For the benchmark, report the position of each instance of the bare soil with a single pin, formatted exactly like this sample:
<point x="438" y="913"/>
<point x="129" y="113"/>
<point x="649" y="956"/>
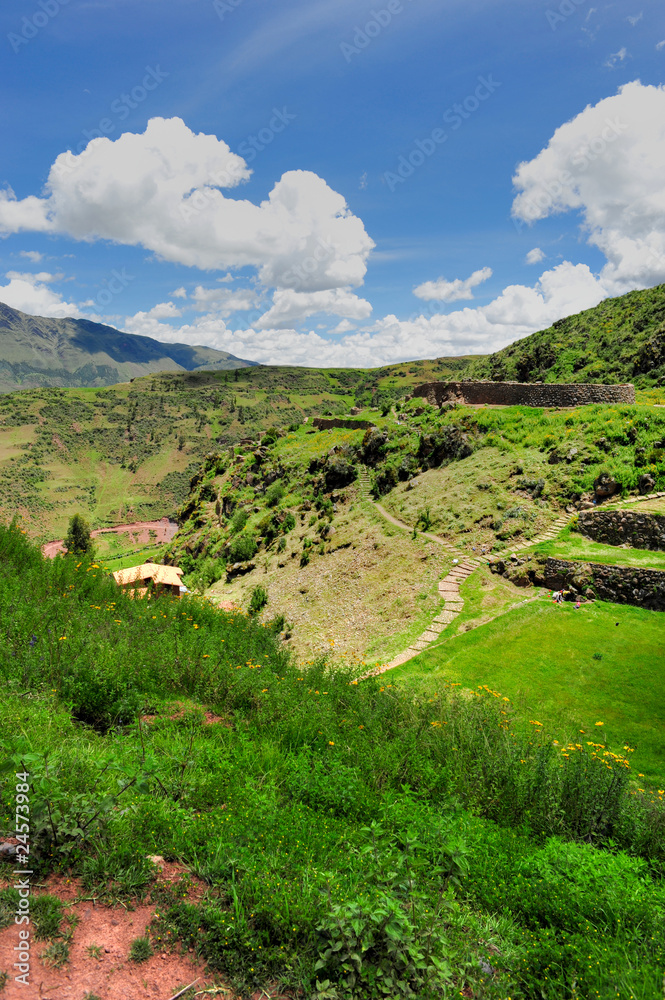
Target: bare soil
<point x="109" y="931"/>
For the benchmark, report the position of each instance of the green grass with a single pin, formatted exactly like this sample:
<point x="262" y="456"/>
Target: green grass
<point x="541" y="656"/>
<point x="571" y="545"/>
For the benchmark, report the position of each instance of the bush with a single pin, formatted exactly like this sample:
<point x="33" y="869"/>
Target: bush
<point x="238" y="521"/>
<point x="243" y="547"/>
<point x="274" y="494"/>
<point x="289" y="522"/>
<point x="258" y="600"/>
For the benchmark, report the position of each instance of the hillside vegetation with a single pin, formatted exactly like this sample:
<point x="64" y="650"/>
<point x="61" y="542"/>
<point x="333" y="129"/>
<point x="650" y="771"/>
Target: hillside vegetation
<point x="620" y="340"/>
<point x="351" y="840"/>
<point x="128" y="452"/>
<point x="40" y="351"/>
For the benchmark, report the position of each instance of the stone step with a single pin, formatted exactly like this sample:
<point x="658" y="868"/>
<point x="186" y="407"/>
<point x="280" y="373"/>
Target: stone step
<point x="445" y="617"/>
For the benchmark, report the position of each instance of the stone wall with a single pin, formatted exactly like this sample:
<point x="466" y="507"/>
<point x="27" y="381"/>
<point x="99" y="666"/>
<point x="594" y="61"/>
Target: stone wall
<point x="325" y="423"/>
<point x="645" y="588"/>
<point x="524" y="393"/>
<point x="615" y="527"/>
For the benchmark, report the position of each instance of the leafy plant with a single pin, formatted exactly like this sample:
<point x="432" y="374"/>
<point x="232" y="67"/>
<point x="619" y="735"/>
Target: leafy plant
<point x="258" y="600"/>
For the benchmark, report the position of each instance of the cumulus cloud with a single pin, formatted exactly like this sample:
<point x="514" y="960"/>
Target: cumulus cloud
<point x="224" y="301"/>
<point x="534" y="256"/>
<point x="517" y="312"/>
<point x="180" y="293"/>
<point x="290" y="306"/>
<point x="164" y="190"/>
<point x="30" y="293"/>
<point x="607" y="164"/>
<point x="452" y="291"/>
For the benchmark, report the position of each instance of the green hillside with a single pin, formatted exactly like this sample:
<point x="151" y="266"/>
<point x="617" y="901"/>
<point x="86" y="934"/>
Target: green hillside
<point x="336" y="839"/>
<point x="38" y="351"/>
<point x="129" y="451"/>
<point x="620" y="340"/>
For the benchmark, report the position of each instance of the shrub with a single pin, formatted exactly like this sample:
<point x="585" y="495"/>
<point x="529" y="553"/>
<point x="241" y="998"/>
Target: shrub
<point x="289" y="522"/>
<point x="274" y="494"/>
<point x="242" y="547"/>
<point x="238" y="521"/>
<point x="258" y="600"/>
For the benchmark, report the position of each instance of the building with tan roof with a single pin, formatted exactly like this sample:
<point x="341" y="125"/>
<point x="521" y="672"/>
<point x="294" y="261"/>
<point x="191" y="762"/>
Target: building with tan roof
<point x="150" y="576"/>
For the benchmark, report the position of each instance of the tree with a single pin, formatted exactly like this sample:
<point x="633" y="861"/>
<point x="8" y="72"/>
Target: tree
<point x="78" y="540"/>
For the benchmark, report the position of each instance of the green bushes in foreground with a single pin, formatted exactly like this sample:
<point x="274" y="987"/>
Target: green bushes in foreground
<point x="355" y="841"/>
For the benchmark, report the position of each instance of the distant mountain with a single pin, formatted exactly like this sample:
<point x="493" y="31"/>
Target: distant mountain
<point x="36" y="351"/>
<point x="620" y="340"/>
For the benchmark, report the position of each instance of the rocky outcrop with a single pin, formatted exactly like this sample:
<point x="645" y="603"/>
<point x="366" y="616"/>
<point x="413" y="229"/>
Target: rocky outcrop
<point x="645" y="588"/>
<point x="618" y="527"/>
<point x="524" y="393"/>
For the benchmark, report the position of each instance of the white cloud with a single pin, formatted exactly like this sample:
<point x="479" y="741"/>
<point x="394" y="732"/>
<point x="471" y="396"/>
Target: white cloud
<point x="517" y="312"/>
<point x="660" y="45"/>
<point x="164" y="310"/>
<point x="180" y="293"/>
<point x="33" y="255"/>
<point x="635" y="18"/>
<point x="224" y="301"/>
<point x="343" y="327"/>
<point x="162" y="190"/>
<point x="289" y="306"/>
<point x="615" y="58"/>
<point x="607" y="164"/>
<point x="534" y="256"/>
<point x="452" y="291"/>
<point x="30" y="293"/>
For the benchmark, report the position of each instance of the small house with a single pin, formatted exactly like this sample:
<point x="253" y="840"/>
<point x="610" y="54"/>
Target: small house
<point x="150" y="577"/>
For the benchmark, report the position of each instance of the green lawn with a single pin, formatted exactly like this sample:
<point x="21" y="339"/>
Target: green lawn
<point x="541" y="656"/>
<point x="571" y="545"/>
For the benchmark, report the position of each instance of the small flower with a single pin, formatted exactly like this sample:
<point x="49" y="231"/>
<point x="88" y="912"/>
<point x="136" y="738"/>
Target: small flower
<point x="600" y="723"/>
<point x="330" y="743"/>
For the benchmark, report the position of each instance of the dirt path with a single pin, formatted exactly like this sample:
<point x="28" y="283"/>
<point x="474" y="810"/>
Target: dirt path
<point x="138" y="532"/>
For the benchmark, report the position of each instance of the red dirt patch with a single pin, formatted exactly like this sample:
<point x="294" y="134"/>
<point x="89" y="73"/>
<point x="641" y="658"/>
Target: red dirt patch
<point x="111" y="976"/>
<point x="178" y="711"/>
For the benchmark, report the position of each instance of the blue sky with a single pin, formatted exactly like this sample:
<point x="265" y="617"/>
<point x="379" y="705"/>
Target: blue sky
<point x="359" y="197"/>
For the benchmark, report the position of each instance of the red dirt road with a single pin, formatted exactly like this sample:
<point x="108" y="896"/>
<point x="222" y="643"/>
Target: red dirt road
<point x="138" y="532"/>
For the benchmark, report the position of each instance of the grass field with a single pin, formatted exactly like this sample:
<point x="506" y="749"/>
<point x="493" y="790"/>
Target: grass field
<point x="567" y="669"/>
<point x="571" y="545"/>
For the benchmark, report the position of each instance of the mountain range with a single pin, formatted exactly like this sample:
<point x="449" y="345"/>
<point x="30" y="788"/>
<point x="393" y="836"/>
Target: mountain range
<point x="36" y="351"/>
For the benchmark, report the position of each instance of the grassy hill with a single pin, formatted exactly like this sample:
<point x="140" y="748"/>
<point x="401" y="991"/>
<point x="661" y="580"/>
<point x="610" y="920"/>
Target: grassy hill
<point x="37" y="351"/>
<point x="620" y="340"/>
<point x="335" y="839"/>
<point x="128" y="452"/>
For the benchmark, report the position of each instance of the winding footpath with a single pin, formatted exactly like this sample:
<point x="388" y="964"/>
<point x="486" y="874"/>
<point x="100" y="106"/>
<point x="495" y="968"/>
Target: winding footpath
<point x="449" y="586"/>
